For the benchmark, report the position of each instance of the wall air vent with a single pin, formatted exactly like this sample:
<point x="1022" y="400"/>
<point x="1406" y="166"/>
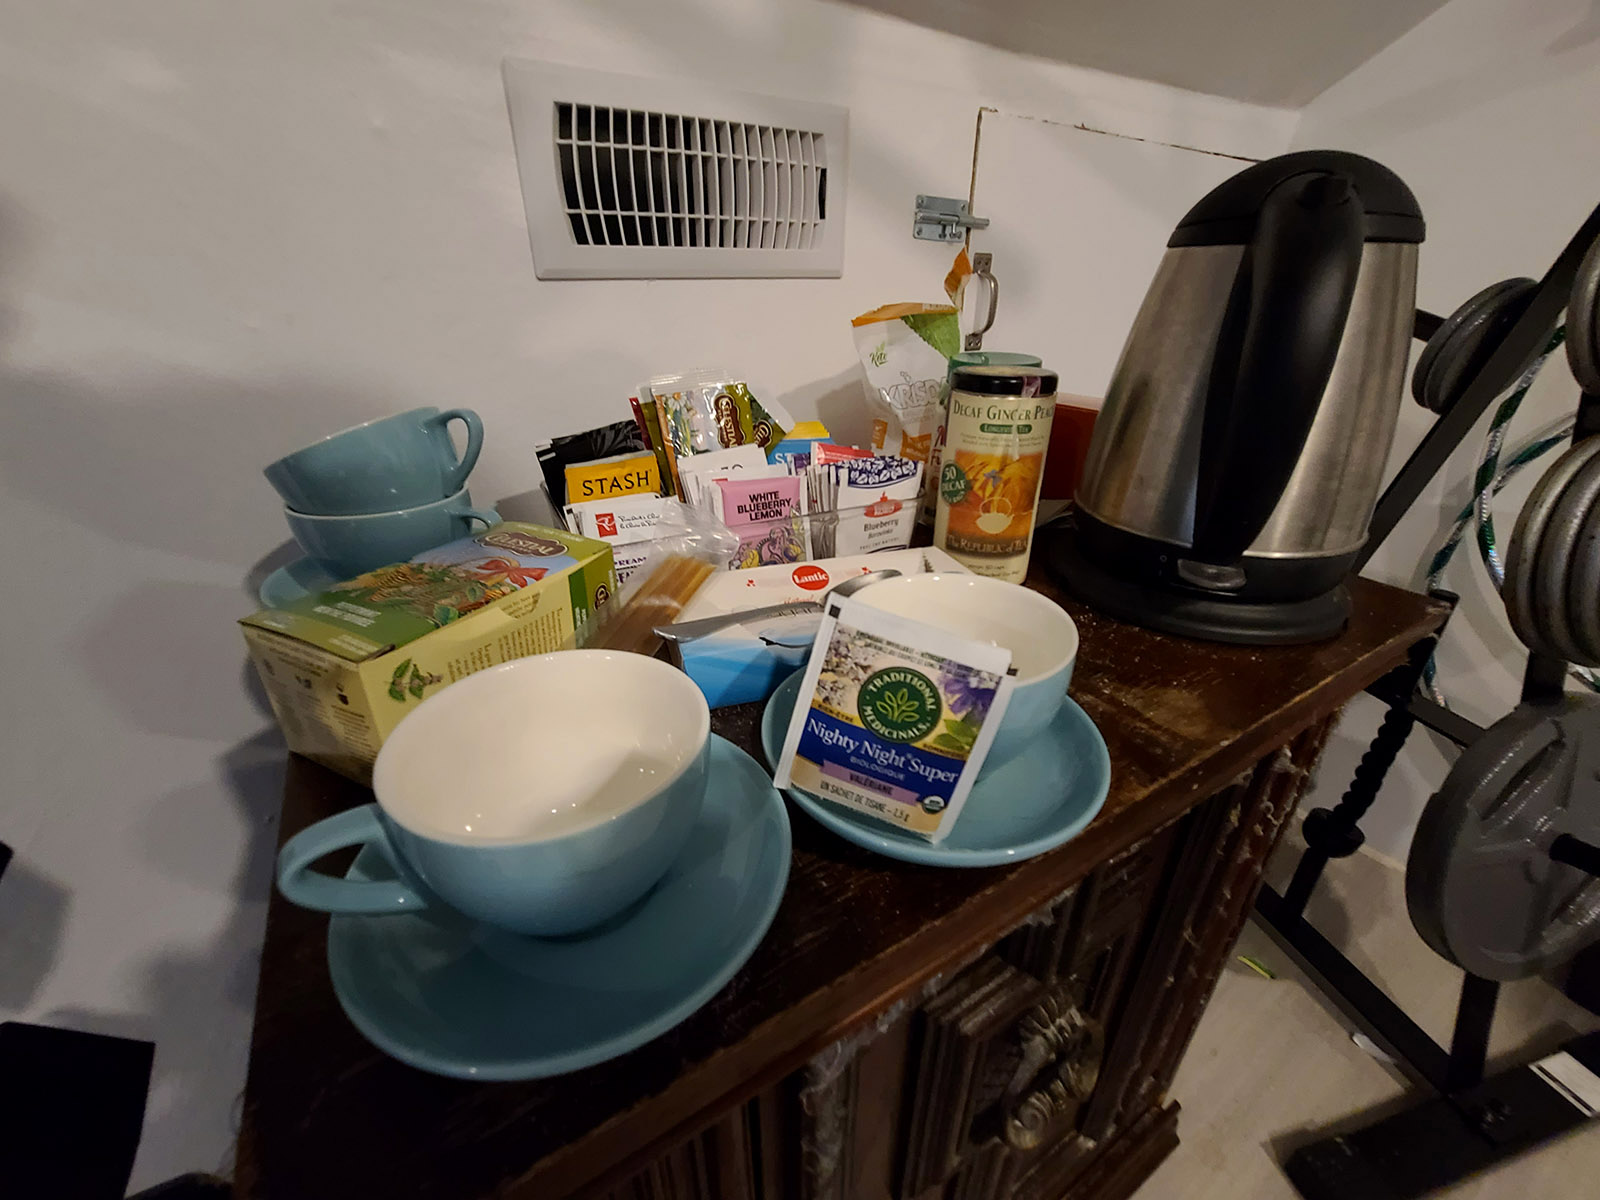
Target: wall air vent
<point x="628" y="178"/>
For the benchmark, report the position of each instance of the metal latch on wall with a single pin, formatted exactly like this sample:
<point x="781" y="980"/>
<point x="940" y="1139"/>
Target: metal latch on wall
<point x="944" y="219"/>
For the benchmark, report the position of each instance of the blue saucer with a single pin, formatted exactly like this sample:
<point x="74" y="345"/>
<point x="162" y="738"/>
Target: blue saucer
<point x="1017" y="810"/>
<point x="301" y="578"/>
<point x="449" y="996"/>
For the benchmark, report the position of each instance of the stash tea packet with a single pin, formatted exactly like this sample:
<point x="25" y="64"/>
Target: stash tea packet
<point x="894" y="717"/>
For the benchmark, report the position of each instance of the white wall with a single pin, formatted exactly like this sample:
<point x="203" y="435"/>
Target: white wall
<point x="228" y="229"/>
<point x="1487" y="109"/>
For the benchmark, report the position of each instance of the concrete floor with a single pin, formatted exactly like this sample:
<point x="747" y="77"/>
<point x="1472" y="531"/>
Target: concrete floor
<point x="1272" y="1060"/>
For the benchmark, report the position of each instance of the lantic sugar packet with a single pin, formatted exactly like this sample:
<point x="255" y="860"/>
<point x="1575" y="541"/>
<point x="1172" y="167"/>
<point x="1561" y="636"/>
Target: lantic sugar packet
<point x="894" y="717"/>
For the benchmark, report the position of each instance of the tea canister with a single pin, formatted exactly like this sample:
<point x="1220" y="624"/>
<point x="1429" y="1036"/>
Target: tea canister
<point x="993" y="462"/>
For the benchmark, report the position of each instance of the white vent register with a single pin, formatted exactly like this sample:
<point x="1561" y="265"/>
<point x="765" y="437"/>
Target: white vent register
<point x="628" y="178"/>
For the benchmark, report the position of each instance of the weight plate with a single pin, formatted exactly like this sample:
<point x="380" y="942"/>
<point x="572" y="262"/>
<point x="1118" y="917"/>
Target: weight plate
<point x="1481" y="887"/>
<point x="1452" y="355"/>
<point x="1522" y="556"/>
<point x="1583" y="322"/>
<point x="1553" y="562"/>
<point x="1583" y="586"/>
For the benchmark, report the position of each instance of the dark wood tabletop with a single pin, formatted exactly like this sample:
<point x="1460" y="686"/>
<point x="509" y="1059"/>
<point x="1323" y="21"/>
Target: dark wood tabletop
<point x="328" y="1115"/>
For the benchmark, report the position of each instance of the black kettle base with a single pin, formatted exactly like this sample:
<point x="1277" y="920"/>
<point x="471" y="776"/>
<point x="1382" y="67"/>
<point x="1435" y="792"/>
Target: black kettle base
<point x="1186" y="613"/>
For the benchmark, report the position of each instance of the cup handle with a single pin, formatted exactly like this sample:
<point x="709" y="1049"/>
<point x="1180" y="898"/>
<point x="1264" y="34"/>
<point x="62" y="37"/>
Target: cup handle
<point x="325" y="893"/>
<point x="457" y="475"/>
<point x="487" y="515"/>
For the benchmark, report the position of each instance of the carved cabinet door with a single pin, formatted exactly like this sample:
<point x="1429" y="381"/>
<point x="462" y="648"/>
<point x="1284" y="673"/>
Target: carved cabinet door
<point x="1005" y="1059"/>
<point x="1043" y="1068"/>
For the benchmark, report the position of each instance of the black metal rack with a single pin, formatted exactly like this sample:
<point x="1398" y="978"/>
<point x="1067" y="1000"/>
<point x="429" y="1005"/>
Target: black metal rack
<point x="1336" y="832"/>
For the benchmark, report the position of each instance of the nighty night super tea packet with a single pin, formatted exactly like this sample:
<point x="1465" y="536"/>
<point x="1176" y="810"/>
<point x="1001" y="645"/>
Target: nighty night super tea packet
<point x="894" y="717"/>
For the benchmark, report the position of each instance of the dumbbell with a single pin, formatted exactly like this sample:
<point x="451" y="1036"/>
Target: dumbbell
<point x="1552" y="590"/>
<point x="1457" y="350"/>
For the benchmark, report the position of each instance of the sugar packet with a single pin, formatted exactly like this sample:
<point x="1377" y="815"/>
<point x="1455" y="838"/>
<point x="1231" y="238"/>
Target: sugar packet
<point x="866" y="504"/>
<point x="894" y="717"/>
<point x="863" y="480"/>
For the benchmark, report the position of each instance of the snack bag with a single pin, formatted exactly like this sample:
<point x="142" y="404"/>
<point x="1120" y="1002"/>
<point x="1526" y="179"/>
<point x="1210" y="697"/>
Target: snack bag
<point x="905" y="354"/>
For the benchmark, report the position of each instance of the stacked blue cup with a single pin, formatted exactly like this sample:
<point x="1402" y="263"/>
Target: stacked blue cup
<point x="381" y="492"/>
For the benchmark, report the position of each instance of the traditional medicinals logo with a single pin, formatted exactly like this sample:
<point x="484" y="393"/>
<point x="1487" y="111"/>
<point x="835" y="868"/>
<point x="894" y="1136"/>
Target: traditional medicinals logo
<point x="899" y="704"/>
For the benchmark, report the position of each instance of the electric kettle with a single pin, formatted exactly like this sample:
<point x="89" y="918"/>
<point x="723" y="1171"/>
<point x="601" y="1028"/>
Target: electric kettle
<point x="1236" y="462"/>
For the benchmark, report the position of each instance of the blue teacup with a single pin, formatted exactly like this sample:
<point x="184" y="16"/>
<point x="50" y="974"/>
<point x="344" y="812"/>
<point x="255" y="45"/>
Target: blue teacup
<point x="394" y="462"/>
<point x="543" y="796"/>
<point x="1042" y="638"/>
<point x="347" y="546"/>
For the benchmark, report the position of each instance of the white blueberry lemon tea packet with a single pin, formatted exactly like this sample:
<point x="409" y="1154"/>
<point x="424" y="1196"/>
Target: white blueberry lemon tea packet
<point x="894" y="717"/>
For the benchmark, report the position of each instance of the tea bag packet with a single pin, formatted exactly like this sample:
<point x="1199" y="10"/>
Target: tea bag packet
<point x="768" y="516"/>
<point x="628" y="523"/>
<point x="705" y="411"/>
<point x="606" y="441"/>
<point x="698" y="475"/>
<point x="894" y="717"/>
<point x="821" y="482"/>
<point x="795" y="450"/>
<point x="649" y="425"/>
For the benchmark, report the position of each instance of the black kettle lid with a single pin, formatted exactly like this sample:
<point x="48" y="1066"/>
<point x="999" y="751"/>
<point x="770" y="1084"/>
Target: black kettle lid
<point x="1226" y="216"/>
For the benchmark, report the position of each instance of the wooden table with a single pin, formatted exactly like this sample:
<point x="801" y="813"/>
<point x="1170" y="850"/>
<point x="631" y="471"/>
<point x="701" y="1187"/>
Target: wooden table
<point x="901" y="1031"/>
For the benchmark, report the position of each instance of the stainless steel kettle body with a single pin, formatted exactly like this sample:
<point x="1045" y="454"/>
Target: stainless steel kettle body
<point x="1143" y="462"/>
<point x="1244" y="435"/>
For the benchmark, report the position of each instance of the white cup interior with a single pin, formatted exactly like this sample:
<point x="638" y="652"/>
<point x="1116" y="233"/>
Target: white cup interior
<point x="540" y="747"/>
<point x="1042" y="638"/>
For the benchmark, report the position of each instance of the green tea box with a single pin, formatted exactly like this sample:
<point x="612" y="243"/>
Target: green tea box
<point x="342" y="667"/>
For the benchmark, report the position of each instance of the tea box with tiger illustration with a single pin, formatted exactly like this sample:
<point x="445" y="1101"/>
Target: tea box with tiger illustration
<point x="342" y="667"/>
